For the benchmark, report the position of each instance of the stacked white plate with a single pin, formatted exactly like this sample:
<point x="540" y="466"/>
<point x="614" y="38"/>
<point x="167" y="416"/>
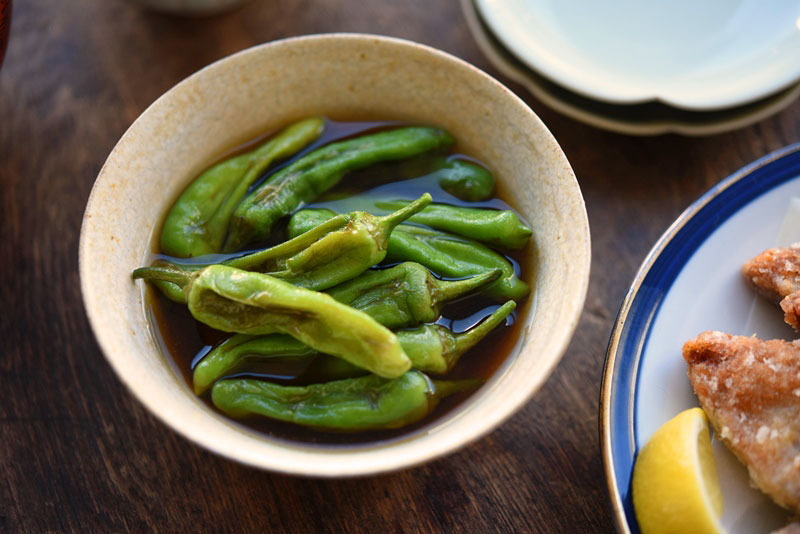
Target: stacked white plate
<point x="646" y="68"/>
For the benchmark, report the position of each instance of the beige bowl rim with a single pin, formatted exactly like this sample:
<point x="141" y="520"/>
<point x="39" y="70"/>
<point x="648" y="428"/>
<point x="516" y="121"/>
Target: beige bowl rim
<point x="240" y="444"/>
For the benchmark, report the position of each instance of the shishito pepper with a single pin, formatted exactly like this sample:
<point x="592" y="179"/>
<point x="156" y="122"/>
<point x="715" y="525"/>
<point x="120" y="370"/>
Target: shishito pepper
<point x="313" y="174"/>
<point x="496" y="228"/>
<point x="432" y="348"/>
<point x="329" y="254"/>
<point x="465" y="180"/>
<point x="443" y="253"/>
<point x="406" y="294"/>
<point x="244" y="302"/>
<point x="461" y="178"/>
<point x="456" y="256"/>
<point x="353" y="404"/>
<point x="241" y="348"/>
<point x="198" y="221"/>
<point x="435" y="349"/>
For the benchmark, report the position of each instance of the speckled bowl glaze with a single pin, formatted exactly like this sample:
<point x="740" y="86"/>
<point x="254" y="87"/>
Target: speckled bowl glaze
<point x="340" y="76"/>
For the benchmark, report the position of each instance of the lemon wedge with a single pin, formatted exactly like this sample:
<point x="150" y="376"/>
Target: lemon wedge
<point x="675" y="484"/>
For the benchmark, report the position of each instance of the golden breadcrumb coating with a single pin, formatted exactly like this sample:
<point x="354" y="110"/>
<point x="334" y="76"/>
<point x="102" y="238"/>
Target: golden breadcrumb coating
<point x="750" y="390"/>
<point x="791" y="310"/>
<point x="775" y="273"/>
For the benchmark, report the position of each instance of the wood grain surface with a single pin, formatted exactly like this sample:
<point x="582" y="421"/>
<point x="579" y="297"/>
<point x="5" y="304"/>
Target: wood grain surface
<point x="79" y="454"/>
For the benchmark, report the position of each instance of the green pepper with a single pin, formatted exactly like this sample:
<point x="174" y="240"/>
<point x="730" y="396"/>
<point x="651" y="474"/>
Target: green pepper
<point x="240" y="348"/>
<point x="198" y="221"/>
<point x="353" y="404"/>
<point x="406" y="294"/>
<point x="237" y="351"/>
<point x="170" y="290"/>
<point x="337" y="256"/>
<point x="329" y="254"/>
<point x="443" y="253"/>
<point x="244" y="302"/>
<point x="456" y="256"/>
<point x="436" y="349"/>
<point x="313" y="174"/>
<point x="496" y="228"/>
<point x="466" y="181"/>
<point x="432" y="348"/>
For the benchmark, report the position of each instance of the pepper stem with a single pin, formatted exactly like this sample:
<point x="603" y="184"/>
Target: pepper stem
<point x="164" y="271"/>
<point x="445" y="388"/>
<point x="447" y="290"/>
<point x="388" y="222"/>
<point x="466" y="340"/>
<point x="257" y="260"/>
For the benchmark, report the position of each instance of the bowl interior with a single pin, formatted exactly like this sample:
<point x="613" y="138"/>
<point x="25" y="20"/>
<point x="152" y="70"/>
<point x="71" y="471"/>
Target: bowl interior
<point x="341" y="76"/>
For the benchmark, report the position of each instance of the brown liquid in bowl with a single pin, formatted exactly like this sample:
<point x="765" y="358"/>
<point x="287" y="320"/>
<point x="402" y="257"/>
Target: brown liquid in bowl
<point x="185" y="340"/>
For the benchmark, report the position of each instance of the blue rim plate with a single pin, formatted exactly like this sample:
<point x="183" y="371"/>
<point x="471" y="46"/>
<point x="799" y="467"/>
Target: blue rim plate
<point x="640" y="310"/>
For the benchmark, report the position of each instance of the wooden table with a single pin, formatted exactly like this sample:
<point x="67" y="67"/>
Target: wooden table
<point x="78" y="453"/>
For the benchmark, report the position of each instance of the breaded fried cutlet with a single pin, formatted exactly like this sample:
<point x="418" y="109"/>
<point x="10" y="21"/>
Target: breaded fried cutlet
<point x="750" y="390"/>
<point x="791" y="310"/>
<point x="775" y="273"/>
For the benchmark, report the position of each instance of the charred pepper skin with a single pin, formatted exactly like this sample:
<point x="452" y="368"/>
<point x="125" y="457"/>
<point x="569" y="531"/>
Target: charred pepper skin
<point x="443" y="253"/>
<point x="432" y="348"/>
<point x="198" y="221"/>
<point x="350" y="405"/>
<point x="305" y="179"/>
<point x="327" y="255"/>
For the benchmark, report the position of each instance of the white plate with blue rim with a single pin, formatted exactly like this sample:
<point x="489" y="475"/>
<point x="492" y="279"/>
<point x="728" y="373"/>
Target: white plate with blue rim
<point x="690" y="282"/>
<point x="691" y="55"/>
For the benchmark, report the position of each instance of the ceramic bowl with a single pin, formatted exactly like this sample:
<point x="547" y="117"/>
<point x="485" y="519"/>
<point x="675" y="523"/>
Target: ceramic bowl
<point x="341" y="76"/>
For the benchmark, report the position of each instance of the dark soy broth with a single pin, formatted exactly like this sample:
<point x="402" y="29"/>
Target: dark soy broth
<point x="185" y="340"/>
